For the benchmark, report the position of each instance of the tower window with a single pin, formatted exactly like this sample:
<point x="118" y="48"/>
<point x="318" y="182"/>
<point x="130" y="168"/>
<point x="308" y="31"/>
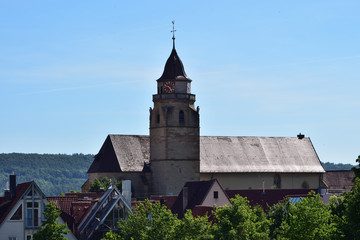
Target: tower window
<point x="157" y="118"/>
<point x="181" y="117"/>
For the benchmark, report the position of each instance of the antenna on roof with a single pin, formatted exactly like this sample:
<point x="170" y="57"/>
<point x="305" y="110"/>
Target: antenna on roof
<point x="173" y="32"/>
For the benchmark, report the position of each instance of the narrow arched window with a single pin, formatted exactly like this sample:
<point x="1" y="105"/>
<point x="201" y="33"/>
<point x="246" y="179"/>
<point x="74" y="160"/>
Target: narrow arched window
<point x="181" y="117"/>
<point x="157" y="118"/>
<point x="277" y="181"/>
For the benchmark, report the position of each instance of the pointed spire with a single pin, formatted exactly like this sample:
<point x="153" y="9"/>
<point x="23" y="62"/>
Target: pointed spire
<point x="174" y="68"/>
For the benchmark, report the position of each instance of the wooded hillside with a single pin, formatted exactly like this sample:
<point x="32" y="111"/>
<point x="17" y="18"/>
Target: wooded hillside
<point x="54" y="173"/>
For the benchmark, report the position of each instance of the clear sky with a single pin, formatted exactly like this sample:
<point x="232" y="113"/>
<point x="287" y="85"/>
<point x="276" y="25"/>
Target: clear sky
<point x="72" y="72"/>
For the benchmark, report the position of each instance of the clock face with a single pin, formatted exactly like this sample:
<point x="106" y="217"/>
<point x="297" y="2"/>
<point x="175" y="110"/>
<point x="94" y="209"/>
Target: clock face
<point x="169" y="87"/>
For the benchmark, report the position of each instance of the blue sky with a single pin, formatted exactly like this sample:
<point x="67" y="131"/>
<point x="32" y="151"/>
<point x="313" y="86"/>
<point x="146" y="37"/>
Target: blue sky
<point x="72" y="72"/>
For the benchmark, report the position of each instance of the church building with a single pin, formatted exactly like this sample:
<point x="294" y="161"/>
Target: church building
<point x="174" y="153"/>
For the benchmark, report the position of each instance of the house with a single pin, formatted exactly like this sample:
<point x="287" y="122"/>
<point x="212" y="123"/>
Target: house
<point x="91" y="215"/>
<point x="174" y="152"/>
<point x="21" y="211"/>
<point x="201" y="197"/>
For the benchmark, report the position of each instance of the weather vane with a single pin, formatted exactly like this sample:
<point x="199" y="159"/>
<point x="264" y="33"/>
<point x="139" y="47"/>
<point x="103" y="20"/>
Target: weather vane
<point x="173" y="32"/>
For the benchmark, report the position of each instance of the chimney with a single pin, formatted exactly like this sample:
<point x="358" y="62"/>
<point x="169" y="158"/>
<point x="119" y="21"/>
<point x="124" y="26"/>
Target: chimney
<point x="185" y="197"/>
<point x="300" y="136"/>
<point x="12" y="186"/>
<point x="7" y="192"/>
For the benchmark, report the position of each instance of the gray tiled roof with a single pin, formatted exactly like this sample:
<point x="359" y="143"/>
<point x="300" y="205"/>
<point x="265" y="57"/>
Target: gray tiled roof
<point x="258" y="154"/>
<point x="131" y="151"/>
<point x="220" y="154"/>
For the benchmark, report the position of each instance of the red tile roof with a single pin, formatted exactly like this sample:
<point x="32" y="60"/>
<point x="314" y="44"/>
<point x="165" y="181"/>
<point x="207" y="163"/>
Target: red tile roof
<point x="269" y="197"/>
<point x="342" y="180"/>
<point x="75" y="206"/>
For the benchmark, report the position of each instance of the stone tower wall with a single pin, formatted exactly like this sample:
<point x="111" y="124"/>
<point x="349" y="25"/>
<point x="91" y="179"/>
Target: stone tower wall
<point x="174" y="146"/>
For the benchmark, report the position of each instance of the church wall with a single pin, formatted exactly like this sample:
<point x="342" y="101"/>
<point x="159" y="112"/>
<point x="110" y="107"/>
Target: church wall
<point x="235" y="181"/>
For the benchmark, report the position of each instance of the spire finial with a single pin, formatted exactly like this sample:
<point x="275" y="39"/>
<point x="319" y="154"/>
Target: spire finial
<point x="173" y="32"/>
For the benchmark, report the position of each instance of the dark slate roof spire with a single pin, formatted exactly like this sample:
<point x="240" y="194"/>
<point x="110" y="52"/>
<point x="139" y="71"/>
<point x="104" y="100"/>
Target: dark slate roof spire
<point x="174" y="68"/>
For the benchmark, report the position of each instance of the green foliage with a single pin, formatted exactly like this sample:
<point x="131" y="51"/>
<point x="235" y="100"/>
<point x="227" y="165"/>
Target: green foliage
<point x="309" y="219"/>
<point x="195" y="228"/>
<point x="151" y="221"/>
<point x="337" y="207"/>
<point x="50" y="228"/>
<point x="111" y="236"/>
<point x="240" y="221"/>
<point x="102" y="184"/>
<point x="54" y="173"/>
<point x="349" y="213"/>
<point x="278" y="214"/>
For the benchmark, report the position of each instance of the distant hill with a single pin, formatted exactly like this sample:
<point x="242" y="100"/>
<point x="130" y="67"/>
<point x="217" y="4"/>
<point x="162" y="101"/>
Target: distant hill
<point x="57" y="173"/>
<point x="54" y="173"/>
<point x="336" y="166"/>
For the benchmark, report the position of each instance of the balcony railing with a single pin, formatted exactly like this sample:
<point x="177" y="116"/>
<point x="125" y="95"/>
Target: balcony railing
<point x="157" y="97"/>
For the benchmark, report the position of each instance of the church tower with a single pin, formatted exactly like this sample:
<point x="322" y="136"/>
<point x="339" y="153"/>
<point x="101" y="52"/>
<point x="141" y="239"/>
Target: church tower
<point x="174" y="130"/>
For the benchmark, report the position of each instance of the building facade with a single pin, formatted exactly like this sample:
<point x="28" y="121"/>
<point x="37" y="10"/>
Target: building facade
<point x="21" y="211"/>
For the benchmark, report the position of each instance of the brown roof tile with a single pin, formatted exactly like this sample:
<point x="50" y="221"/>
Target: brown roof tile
<point x="339" y="179"/>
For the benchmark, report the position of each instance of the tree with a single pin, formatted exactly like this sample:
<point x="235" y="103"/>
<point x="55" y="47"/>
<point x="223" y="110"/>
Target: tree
<point x="194" y="228"/>
<point x="278" y="213"/>
<point x="150" y="221"/>
<point x="155" y="221"/>
<point x="111" y="236"/>
<point x="240" y="221"/>
<point x="350" y="220"/>
<point x="308" y="218"/>
<point x="338" y="208"/>
<point x="102" y="184"/>
<point x="50" y="228"/>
